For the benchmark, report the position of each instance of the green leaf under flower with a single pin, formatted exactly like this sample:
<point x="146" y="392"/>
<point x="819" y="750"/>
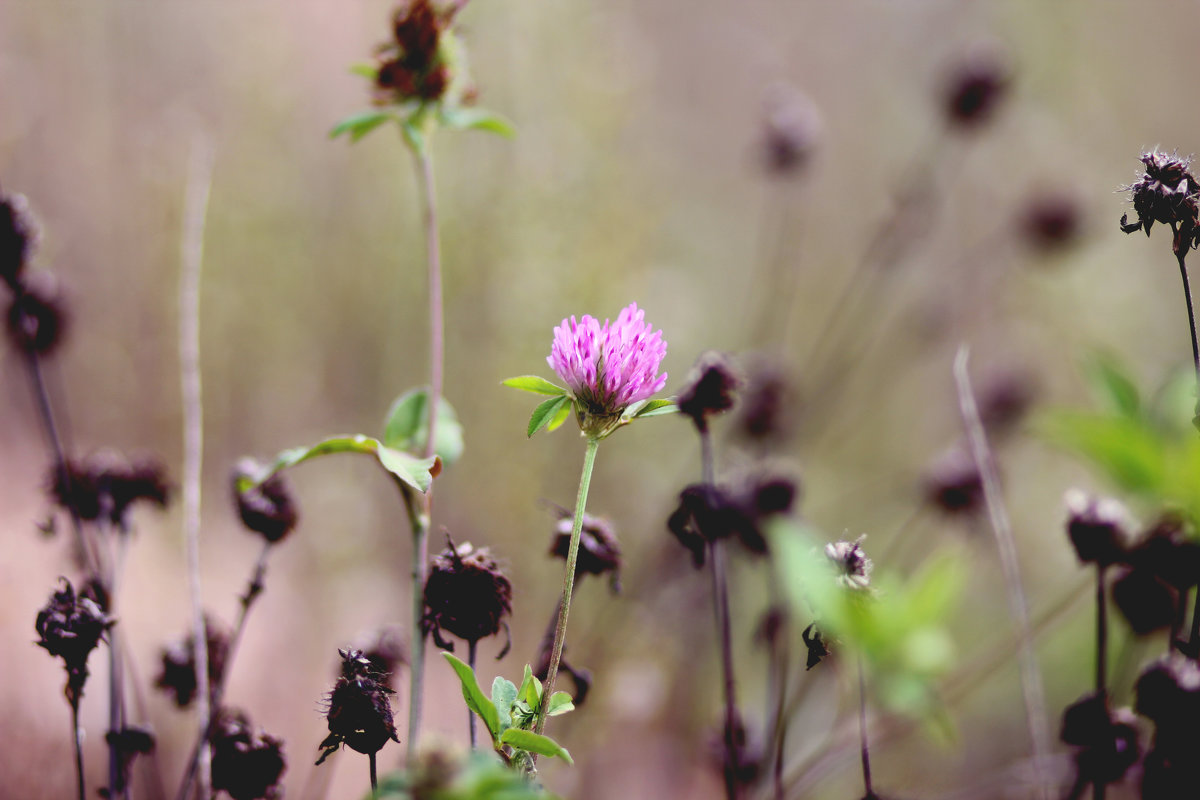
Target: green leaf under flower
<point x="547" y="413"/>
<point x="360" y="124"/>
<point x="476" y="700"/>
<point x="534" y="384"/>
<point x="466" y="118"/>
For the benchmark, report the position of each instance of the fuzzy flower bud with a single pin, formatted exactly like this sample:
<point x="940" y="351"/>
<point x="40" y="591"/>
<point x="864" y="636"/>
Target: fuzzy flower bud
<point x="608" y="367"/>
<point x="466" y="595"/>
<point x="709" y="389"/>
<point x="70" y="627"/>
<point x="246" y="763"/>
<point x="791" y="131"/>
<point x="360" y="713"/>
<point x="1097" y="526"/>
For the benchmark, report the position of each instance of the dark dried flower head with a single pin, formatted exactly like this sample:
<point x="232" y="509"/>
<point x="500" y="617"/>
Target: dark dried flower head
<point x="709" y="389"/>
<point x="791" y="131"/>
<point x="1107" y="740"/>
<point x="704" y="514"/>
<point x="37" y="315"/>
<point x="1098" y="527"/>
<point x="1169" y="552"/>
<point x="177" y="676"/>
<point x="599" y="550"/>
<point x="105" y="486"/>
<point x="976" y="86"/>
<point x="246" y="763"/>
<point x="1051" y="221"/>
<point x="18" y="235"/>
<point x="953" y="484"/>
<point x="1167" y="193"/>
<point x="266" y="505"/>
<point x="360" y="711"/>
<point x="128" y="743"/>
<point x="70" y="627"/>
<point x="1005" y="397"/>
<point x="707" y="513"/>
<point x="765" y="401"/>
<point x="1170" y="771"/>
<point x="853" y="566"/>
<point x="412" y="66"/>
<point x="466" y="594"/>
<point x="386" y="651"/>
<point x="1146" y="601"/>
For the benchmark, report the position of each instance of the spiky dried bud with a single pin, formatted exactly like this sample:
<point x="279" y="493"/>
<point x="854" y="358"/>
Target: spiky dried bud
<point x="1169" y="552"/>
<point x="387" y="652"/>
<point x="466" y="594"/>
<point x="70" y="627"/>
<point x="105" y="486"/>
<point x="360" y="712"/>
<point x="953" y="484"/>
<point x="1050" y="221"/>
<point x="128" y="743"/>
<point x="247" y="763"/>
<point x="976" y="86"/>
<point x="791" y="131"/>
<point x="412" y="66"/>
<point x="1107" y="740"/>
<point x="1146" y="601"/>
<point x="709" y="389"/>
<point x="764" y="407"/>
<point x="599" y="549"/>
<point x="177" y="675"/>
<point x="265" y="505"/>
<point x="1167" y="193"/>
<point x="18" y="235"/>
<point x="1098" y="527"/>
<point x="851" y="562"/>
<point x="37" y="315"/>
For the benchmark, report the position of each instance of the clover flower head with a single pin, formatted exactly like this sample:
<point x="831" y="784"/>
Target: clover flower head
<point x="611" y="366"/>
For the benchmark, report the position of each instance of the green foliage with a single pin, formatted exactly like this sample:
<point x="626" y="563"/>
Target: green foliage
<point x="896" y="627"/>
<point x="1145" y="448"/>
<point x="411" y="471"/>
<point x="549" y="414"/>
<point x="652" y="408"/>
<point x="511" y="712"/>
<point x="532" y="383"/>
<point x="407" y="426"/>
<point x="478" y="777"/>
<point x="360" y="124"/>
<point x="462" y="119"/>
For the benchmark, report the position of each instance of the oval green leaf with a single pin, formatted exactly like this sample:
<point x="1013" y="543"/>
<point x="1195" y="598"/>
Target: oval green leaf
<point x="546" y="412"/>
<point x="477" y="119"/>
<point x="476" y="700"/>
<point x="532" y="383"/>
<point x="560" y="703"/>
<point x="359" y="125"/>
<point x="407" y="426"/>
<point x="535" y="743"/>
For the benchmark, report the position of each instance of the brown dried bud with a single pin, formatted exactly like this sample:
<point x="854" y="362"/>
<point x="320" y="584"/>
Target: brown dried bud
<point x="386" y="651"/>
<point x="1169" y="552"/>
<point x="246" y="763"/>
<point x="177" y="676"/>
<point x="360" y="713"/>
<point x="791" y="131"/>
<point x="105" y="486"/>
<point x="1051" y="221"/>
<point x="266" y="506"/>
<point x="976" y="86"/>
<point x="709" y="389"/>
<point x="1147" y="602"/>
<point x="765" y="402"/>
<point x="953" y="484"/>
<point x="37" y="315"/>
<point x="466" y="594"/>
<point x="1098" y="527"/>
<point x="18" y="235"/>
<point x="70" y="627"/>
<point x="1167" y="193"/>
<point x="599" y="550"/>
<point x="128" y="743"/>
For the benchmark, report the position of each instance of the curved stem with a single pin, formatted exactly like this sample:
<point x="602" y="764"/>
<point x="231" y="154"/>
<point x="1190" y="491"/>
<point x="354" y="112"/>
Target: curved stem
<point x="560" y="632"/>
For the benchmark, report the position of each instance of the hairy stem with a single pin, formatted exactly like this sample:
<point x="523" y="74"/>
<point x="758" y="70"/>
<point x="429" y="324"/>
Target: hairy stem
<point x="1031" y="679"/>
<point x="560" y="632"/>
<point x="191" y="258"/>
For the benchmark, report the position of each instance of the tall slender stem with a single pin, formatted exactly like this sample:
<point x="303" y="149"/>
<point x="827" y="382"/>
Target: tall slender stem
<point x="77" y="737"/>
<point x="374" y="774"/>
<point x="862" y="730"/>
<point x="560" y="632"/>
<point x="1101" y="634"/>
<point x="471" y="645"/>
<point x="436" y="325"/>
<point x="1181" y="256"/>
<point x="1031" y="679"/>
<point x="418" y="518"/>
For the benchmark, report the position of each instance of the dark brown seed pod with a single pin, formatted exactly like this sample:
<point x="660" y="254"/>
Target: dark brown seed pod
<point x="70" y="627"/>
<point x="709" y="389"/>
<point x="37" y="315"/>
<point x="360" y="712"/>
<point x="1098" y="528"/>
<point x="247" y="763"/>
<point x="18" y="235"/>
<point x="466" y="594"/>
<point x="599" y="549"/>
<point x="1167" y="193"/>
<point x="177" y="672"/>
<point x="266" y="506"/>
<point x="975" y="86"/>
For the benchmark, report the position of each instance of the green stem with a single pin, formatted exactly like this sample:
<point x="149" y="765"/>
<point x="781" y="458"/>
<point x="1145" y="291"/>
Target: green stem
<point x="560" y="633"/>
<point x="437" y="331"/>
<point x="471" y="647"/>
<point x="418" y="518"/>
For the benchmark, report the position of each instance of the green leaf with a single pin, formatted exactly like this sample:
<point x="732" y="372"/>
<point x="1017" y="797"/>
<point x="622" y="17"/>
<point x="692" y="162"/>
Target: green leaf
<point x="407" y="426"/>
<point x="531" y="689"/>
<point x="476" y="700"/>
<point x="560" y="703"/>
<point x="504" y="694"/>
<point x="460" y="118"/>
<point x="656" y="408"/>
<point x="532" y="383"/>
<point x="559" y="418"/>
<point x="370" y="71"/>
<point x="1114" y="385"/>
<point x="408" y="468"/>
<point x="1131" y="454"/>
<point x="546" y="412"/>
<point x="359" y="125"/>
<point x="535" y="743"/>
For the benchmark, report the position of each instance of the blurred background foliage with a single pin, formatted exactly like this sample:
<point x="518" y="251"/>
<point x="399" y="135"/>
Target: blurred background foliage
<point x="637" y="174"/>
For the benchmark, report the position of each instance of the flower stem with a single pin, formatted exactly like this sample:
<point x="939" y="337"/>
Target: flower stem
<point x="77" y="736"/>
<point x="471" y="645"/>
<point x="560" y="632"/>
<point x="418" y="518"/>
<point x="374" y="774"/>
<point x="1101" y="634"/>
<point x="1181" y="256"/>
<point x="862" y="729"/>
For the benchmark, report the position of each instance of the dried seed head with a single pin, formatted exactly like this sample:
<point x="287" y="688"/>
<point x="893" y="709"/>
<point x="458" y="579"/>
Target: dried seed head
<point x="37" y="315"/>
<point x="1098" y="527"/>
<point x="246" y="763"/>
<point x="766" y="400"/>
<point x="1107" y="740"/>
<point x="599" y="549"/>
<point x="386" y="651"/>
<point x="704" y="514"/>
<point x="360" y="712"/>
<point x="70" y="627"/>
<point x="953" y="484"/>
<point x="707" y="513"/>
<point x="976" y="86"/>
<point x="1168" y="694"/>
<point x="128" y="743"/>
<point x="1051" y="221"/>
<point x="708" y="389"/>
<point x="1169" y="552"/>
<point x="851" y="562"/>
<point x="1167" y="193"/>
<point x="466" y="594"/>
<point x="105" y="486"/>
<point x="265" y="507"/>
<point x="411" y="66"/>
<point x="791" y="131"/>
<point x="1146" y="601"/>
<point x="1005" y="397"/>
<point x="177" y="676"/>
<point x="18" y="236"/>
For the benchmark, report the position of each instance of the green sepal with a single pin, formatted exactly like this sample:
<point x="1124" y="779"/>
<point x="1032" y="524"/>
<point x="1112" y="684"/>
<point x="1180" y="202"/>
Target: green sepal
<point x="535" y="743"/>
